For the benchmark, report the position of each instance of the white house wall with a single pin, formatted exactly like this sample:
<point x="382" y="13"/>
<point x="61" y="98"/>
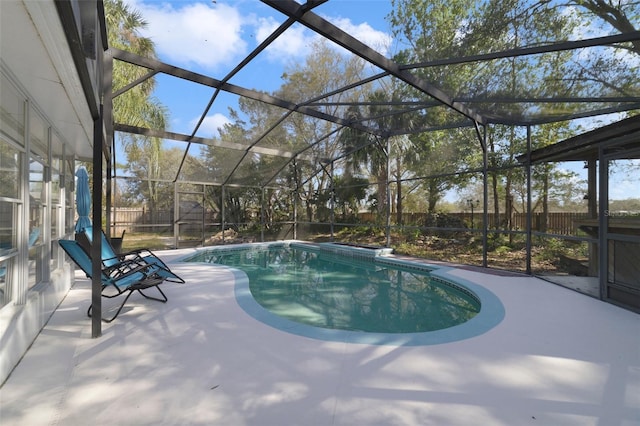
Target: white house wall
<point x="35" y="57"/>
<point x="33" y="45"/>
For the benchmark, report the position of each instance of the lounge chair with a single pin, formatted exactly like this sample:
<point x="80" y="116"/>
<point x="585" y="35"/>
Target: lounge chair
<point x="124" y="277"/>
<point x="142" y="256"/>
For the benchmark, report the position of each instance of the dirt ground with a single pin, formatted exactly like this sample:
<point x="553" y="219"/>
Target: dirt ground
<point x="466" y="252"/>
<point x="462" y="250"/>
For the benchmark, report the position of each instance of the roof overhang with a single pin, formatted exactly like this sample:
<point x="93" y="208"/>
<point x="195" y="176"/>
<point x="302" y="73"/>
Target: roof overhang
<point x="623" y="136"/>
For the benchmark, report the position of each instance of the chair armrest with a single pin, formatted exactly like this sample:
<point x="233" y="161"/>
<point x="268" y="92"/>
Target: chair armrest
<point x="128" y="267"/>
<point x="134" y="253"/>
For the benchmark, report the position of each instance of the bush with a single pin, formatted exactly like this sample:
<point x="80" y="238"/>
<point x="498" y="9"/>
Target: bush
<point x="443" y="220"/>
<point x="551" y="249"/>
<point x="503" y="250"/>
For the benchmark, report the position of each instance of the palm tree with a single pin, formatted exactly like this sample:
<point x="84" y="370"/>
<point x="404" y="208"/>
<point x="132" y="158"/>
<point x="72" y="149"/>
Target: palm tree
<point x="137" y="106"/>
<point x="365" y="154"/>
<point x="370" y="152"/>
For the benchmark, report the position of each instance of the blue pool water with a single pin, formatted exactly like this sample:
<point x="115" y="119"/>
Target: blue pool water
<point x="330" y="294"/>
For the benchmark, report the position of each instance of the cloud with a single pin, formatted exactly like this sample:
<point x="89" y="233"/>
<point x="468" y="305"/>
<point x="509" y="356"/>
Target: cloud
<point x="216" y="36"/>
<point x="623" y="182"/>
<point x="210" y="124"/>
<point x="293" y="43"/>
<point x="290" y="44"/>
<point x="377" y="40"/>
<point x="195" y="34"/>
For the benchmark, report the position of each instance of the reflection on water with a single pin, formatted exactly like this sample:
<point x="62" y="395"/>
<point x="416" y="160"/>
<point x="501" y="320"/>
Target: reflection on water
<point x="326" y="290"/>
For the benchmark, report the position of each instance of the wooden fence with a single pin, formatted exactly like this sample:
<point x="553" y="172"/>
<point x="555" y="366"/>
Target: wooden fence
<point x="562" y="223"/>
<point x="135" y="219"/>
<point x="142" y="220"/>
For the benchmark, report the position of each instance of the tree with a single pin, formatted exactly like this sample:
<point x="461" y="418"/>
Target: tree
<point x="610" y="70"/>
<point x="349" y="193"/>
<point x="445" y="153"/>
<point x="136" y="191"/>
<point x="383" y="159"/>
<point x="435" y="30"/>
<point x="136" y="106"/>
<point x="219" y="163"/>
<point x="397" y="150"/>
<point x="366" y="155"/>
<point x="324" y="70"/>
<point x="620" y="15"/>
<point x="439" y="29"/>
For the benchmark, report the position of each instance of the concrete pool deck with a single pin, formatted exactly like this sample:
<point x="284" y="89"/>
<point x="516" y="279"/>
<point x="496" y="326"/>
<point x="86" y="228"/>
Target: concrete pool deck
<point x="557" y="358"/>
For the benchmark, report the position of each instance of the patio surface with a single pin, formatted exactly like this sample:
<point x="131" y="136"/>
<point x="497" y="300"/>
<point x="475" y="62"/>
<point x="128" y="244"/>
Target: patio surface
<point x="557" y="358"/>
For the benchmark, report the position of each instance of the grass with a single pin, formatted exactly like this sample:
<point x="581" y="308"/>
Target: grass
<point x="149" y="241"/>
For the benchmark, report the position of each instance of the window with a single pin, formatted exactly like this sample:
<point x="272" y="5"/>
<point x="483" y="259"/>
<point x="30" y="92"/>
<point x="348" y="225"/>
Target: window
<point x="11" y="112"/>
<point x="69" y="202"/>
<point x="38" y="205"/>
<point x="12" y="116"/>
<point x="56" y="188"/>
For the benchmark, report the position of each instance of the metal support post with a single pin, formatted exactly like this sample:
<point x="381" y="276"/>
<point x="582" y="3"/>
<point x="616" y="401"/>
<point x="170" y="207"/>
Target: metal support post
<point x="387" y="229"/>
<point x="222" y="211"/>
<point x="262" y="216"/>
<point x="603" y="221"/>
<point x="332" y="200"/>
<point x="529" y="203"/>
<point x="592" y="208"/>
<point x="295" y="201"/>
<point x="96" y="249"/>
<point x="108" y="120"/>
<point x="176" y="216"/>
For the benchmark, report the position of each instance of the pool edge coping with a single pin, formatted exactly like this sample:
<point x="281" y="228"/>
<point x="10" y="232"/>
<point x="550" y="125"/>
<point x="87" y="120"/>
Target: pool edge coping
<point x="492" y="311"/>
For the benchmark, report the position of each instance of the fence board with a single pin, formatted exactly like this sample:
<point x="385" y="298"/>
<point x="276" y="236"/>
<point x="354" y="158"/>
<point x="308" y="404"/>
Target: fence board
<point x="562" y="223"/>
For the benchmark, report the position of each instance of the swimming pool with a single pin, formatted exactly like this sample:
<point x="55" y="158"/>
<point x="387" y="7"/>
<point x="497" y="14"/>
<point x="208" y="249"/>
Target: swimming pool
<point x="336" y="292"/>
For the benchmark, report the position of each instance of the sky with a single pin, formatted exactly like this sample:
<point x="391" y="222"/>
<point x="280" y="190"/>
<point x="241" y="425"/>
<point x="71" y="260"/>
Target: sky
<point x="212" y="37"/>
